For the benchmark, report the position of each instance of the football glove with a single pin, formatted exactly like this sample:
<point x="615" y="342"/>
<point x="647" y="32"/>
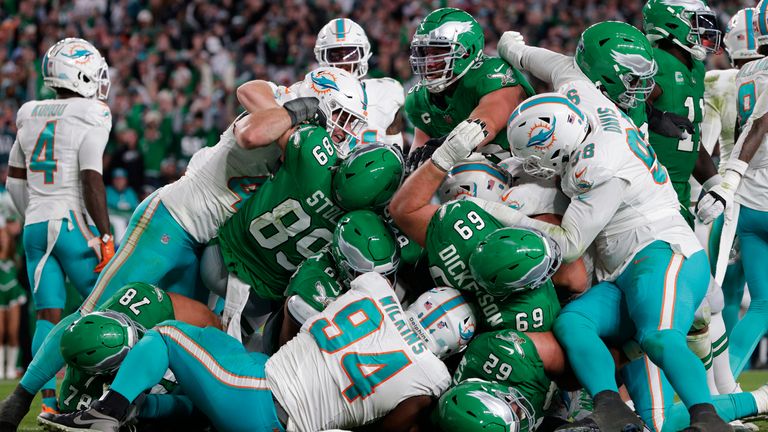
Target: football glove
<point x="668" y="124"/>
<point x="460" y="143"/>
<point x="422" y="154"/>
<point x="303" y="109"/>
<point x="720" y="196"/>
<point x="107" y="248"/>
<point x="509" y="47"/>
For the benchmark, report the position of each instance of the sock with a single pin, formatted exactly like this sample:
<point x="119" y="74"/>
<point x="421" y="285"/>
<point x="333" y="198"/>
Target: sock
<point x="47" y="361"/>
<point x="701" y="345"/>
<point x="747" y="334"/>
<point x="668" y="350"/>
<point x="2" y="362"/>
<point x="761" y="399"/>
<point x="590" y="359"/>
<point x="729" y="408"/>
<point x="721" y="365"/>
<point x="112" y="404"/>
<point x="143" y="367"/>
<point x="51" y="402"/>
<point x="42" y="328"/>
<point x="12" y="358"/>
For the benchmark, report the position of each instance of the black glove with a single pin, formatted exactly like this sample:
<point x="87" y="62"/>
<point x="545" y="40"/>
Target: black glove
<point x="668" y="124"/>
<point x="422" y="154"/>
<point x="303" y="109"/>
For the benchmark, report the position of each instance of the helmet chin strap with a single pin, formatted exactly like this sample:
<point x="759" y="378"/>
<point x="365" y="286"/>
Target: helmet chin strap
<point x="698" y="52"/>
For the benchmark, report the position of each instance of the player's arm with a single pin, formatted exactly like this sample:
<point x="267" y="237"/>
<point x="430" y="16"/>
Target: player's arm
<point x="495" y="108"/>
<point x="546" y="65"/>
<point x="411" y="207"/>
<point x="714" y="202"/>
<point x="89" y="158"/>
<point x="266" y="120"/>
<point x="16" y="183"/>
<point x="573" y="275"/>
<point x="410" y="415"/>
<point x="586" y="216"/>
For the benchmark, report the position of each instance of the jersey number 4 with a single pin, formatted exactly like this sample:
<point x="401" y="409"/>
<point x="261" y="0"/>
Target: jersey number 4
<point x="42" y="159"/>
<point x="366" y="371"/>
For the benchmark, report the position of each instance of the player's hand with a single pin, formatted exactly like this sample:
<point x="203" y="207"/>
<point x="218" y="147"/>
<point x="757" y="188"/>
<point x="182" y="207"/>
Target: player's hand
<point x="422" y="154"/>
<point x="509" y="47"/>
<point x="669" y="124"/>
<point x="461" y="142"/>
<point x="720" y="196"/>
<point x="303" y="109"/>
<point x="107" y="246"/>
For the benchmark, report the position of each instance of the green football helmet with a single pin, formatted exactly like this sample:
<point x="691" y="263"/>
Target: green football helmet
<point x="446" y="44"/>
<point x="368" y="177"/>
<point x="690" y="24"/>
<point x="98" y="342"/>
<point x="618" y="59"/>
<point x="477" y="405"/>
<point x="511" y="260"/>
<point x="363" y="243"/>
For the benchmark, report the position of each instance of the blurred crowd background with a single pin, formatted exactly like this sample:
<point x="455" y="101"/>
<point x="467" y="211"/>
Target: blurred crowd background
<point x="175" y="64"/>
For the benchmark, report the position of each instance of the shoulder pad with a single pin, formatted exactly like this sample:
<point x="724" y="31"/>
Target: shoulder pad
<point x="95" y="113"/>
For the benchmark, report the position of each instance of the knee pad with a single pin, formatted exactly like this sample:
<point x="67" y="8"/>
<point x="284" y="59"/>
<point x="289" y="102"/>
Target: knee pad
<point x="702" y="316"/>
<point x="567" y="322"/>
<point x="759" y="306"/>
<point x="657" y="341"/>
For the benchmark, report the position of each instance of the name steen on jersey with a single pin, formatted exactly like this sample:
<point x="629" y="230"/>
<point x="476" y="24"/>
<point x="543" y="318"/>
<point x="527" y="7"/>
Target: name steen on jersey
<point x="395" y="312"/>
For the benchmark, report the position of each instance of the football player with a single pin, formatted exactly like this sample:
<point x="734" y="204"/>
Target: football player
<point x="170" y="228"/>
<point x="362" y="242"/>
<point x="343" y="44"/>
<point x="363" y="360"/>
<point x="745" y="178"/>
<point x="458" y="83"/>
<point x="55" y="181"/>
<point x="620" y="199"/>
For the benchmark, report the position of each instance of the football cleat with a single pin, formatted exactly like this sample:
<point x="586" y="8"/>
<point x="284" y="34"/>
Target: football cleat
<point x="89" y="420"/>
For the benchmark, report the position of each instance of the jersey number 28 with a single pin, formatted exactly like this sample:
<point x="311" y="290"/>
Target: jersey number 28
<point x="366" y="371"/>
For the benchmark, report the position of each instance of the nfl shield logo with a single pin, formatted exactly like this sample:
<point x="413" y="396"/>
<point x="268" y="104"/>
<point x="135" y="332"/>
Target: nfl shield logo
<point x="165" y="239"/>
<point x="427" y="305"/>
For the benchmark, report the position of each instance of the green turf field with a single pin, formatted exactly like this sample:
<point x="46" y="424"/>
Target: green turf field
<point x="749" y="381"/>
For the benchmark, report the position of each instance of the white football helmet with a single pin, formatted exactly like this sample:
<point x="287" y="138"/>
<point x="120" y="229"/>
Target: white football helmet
<point x="74" y="64"/>
<point x="740" y="38"/>
<point x="343" y="102"/>
<point x="443" y="320"/>
<point x="342" y="43"/>
<point x="543" y="131"/>
<point x="480" y="179"/>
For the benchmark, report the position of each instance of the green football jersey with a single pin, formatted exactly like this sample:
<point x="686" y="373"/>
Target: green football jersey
<point x="79" y="389"/>
<point x="410" y="251"/>
<point x="290" y="218"/>
<point x="437" y="119"/>
<point x="528" y="311"/>
<point x="452" y="234"/>
<point x="683" y="94"/>
<point x="146" y="305"/>
<point x="510" y="358"/>
<point x="316" y="281"/>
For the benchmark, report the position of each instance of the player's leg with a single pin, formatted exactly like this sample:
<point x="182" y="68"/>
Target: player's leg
<point x="582" y="332"/>
<point x="13" y="320"/>
<point x="650" y="391"/>
<point x="3" y="337"/>
<point x="733" y="293"/>
<point x="753" y="240"/>
<point x="663" y="290"/>
<point x="77" y="258"/>
<point x="206" y="362"/>
<point x="729" y="407"/>
<point x="46" y="280"/>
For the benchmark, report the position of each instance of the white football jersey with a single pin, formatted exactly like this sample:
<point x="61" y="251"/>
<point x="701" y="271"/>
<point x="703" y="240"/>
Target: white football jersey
<point x="649" y="209"/>
<point x="353" y="363"/>
<point x="217" y="181"/>
<point x="720" y="114"/>
<point x="385" y="98"/>
<point x="48" y="144"/>
<point x="752" y="103"/>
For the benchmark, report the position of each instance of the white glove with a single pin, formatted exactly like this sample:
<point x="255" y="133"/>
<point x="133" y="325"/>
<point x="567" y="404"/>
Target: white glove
<point x="509" y="47"/>
<point x="720" y="196"/>
<point x="462" y="140"/>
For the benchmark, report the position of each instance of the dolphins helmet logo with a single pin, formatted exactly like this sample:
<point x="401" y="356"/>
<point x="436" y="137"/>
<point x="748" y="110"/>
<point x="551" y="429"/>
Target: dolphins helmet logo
<point x="323" y="82"/>
<point x="78" y="53"/>
<point x="466" y="331"/>
<point x="542" y="135"/>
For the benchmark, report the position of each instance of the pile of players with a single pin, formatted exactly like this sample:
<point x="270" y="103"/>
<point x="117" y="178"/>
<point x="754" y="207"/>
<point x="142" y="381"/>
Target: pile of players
<point x="353" y="287"/>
